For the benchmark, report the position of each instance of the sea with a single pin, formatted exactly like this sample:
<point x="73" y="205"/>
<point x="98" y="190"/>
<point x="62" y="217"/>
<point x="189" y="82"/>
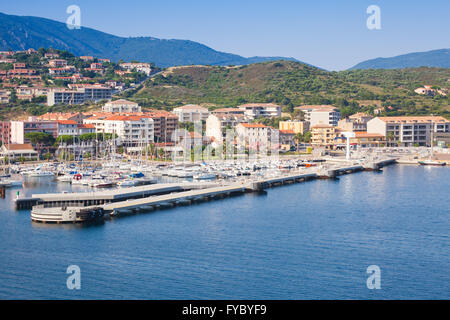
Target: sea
<point x="319" y="239"/>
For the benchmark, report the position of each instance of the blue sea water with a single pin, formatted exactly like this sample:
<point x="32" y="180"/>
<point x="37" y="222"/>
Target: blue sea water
<point x="311" y="240"/>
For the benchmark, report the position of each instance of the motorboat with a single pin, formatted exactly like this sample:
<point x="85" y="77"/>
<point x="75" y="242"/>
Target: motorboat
<point x="8" y="183"/>
<point x="431" y="163"/>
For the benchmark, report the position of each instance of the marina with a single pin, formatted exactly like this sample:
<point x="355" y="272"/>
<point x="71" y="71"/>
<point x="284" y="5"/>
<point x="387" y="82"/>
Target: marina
<point x="93" y="205"/>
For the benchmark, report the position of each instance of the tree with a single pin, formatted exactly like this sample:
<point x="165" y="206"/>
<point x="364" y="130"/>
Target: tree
<point x="40" y="139"/>
<point x="298" y="138"/>
<point x="390" y="137"/>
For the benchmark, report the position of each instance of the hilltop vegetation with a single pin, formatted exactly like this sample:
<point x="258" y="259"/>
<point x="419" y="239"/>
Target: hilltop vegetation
<point x="291" y="84"/>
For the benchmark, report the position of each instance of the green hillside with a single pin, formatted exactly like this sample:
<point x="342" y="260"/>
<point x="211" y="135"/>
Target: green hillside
<point x="291" y="84"/>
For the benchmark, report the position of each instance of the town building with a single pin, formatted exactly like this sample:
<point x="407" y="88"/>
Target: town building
<point x="79" y="95"/>
<point x="430" y="91"/>
<point x="119" y="106"/>
<point x="295" y="126"/>
<point x="286" y="139"/>
<point x="218" y="124"/>
<point x="320" y="114"/>
<point x="228" y="111"/>
<point x="138" y="66"/>
<point x="78" y="117"/>
<point x="5" y="96"/>
<point x="133" y="131"/>
<point x="324" y="135"/>
<point x="165" y="124"/>
<point x="191" y="113"/>
<point x="67" y="128"/>
<point x="355" y="122"/>
<point x="408" y="130"/>
<point x="253" y="136"/>
<point x="260" y="110"/>
<point x="366" y="140"/>
<point x="19" y="129"/>
<point x="57" y="63"/>
<point x="18" y="151"/>
<point x="5" y="132"/>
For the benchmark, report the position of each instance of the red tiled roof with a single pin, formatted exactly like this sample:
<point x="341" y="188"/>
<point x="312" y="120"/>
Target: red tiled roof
<point x="26" y="146"/>
<point x="253" y="125"/>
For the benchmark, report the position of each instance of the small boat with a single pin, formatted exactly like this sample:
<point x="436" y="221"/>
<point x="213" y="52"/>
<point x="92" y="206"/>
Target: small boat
<point x="431" y="163"/>
<point x="8" y="183"/>
<point x="40" y="173"/>
<point x="127" y="183"/>
<point x="205" y="176"/>
<point x="65" y="178"/>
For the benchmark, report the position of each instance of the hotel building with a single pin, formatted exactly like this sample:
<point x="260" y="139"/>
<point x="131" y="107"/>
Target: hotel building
<point x="408" y="131"/>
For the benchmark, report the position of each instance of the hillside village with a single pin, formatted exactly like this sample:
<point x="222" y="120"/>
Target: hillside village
<point x="71" y="106"/>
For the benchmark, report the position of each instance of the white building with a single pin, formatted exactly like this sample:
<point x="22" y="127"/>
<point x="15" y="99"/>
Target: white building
<point x="121" y="106"/>
<point x="133" y="131"/>
<point x="320" y="114"/>
<point x="408" y="131"/>
<point x="218" y="124"/>
<point x="17" y="151"/>
<point x="260" y="110"/>
<point x="254" y="136"/>
<point x="138" y="66"/>
<point x="191" y="113"/>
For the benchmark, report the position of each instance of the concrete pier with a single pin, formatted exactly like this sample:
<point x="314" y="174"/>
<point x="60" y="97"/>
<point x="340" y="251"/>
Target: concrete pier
<point x="83" y="199"/>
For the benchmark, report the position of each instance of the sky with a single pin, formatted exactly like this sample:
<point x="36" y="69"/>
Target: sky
<point x="329" y="34"/>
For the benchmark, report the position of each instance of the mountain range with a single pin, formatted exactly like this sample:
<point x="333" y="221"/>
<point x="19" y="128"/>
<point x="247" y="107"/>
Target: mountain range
<point x="435" y="58"/>
<point x="21" y="33"/>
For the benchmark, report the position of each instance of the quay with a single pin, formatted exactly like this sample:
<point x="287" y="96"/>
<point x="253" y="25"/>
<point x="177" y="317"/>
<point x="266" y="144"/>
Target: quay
<point x="84" y="199"/>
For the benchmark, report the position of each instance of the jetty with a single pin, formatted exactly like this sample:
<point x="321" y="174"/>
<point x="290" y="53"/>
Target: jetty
<point x="83" y="199"/>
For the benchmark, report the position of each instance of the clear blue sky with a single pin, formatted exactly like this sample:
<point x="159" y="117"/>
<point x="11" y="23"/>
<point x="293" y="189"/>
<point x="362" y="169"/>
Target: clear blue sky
<point x="325" y="33"/>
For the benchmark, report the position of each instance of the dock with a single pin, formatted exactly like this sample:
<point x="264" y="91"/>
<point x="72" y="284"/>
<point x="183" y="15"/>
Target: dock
<point x="91" y="198"/>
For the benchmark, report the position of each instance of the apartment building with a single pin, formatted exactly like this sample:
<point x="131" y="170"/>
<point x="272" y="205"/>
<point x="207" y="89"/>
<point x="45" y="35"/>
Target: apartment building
<point x="5" y="96"/>
<point x="260" y="110"/>
<point x="218" y="124"/>
<point x="254" y="136"/>
<point x="228" y="111"/>
<point x="141" y="67"/>
<point x="165" y="124"/>
<point x="355" y="122"/>
<point x="133" y="131"/>
<point x="5" y="132"/>
<point x="121" y="105"/>
<point x="191" y="113"/>
<point x="78" y="117"/>
<point x="324" y="135"/>
<point x="320" y="114"/>
<point x="67" y="127"/>
<point x="57" y="63"/>
<point x="295" y="126"/>
<point x="20" y="128"/>
<point x="409" y="131"/>
<point x="79" y="95"/>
